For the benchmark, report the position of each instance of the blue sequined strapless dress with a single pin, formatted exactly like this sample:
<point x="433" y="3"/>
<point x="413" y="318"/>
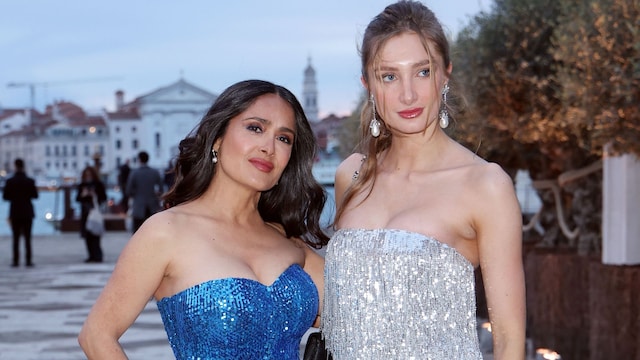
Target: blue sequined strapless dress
<point x="236" y="318"/>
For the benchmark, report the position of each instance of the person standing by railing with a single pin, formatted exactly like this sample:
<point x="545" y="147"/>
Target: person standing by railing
<point x="91" y="192"/>
<point x="19" y="190"/>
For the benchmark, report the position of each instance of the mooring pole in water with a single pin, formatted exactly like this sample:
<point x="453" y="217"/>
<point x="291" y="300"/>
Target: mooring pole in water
<point x="68" y="210"/>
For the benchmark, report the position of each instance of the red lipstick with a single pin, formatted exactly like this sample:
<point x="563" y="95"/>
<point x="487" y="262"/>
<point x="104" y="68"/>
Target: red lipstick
<point x="262" y="165"/>
<point x="411" y="113"/>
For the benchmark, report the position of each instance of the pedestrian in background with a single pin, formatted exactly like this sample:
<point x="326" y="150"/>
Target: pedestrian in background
<point x="123" y="176"/>
<point x="19" y="190"/>
<point x="144" y="186"/>
<point x="90" y="192"/>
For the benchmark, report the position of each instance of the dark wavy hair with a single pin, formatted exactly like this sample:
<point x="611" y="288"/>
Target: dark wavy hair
<point x="296" y="202"/>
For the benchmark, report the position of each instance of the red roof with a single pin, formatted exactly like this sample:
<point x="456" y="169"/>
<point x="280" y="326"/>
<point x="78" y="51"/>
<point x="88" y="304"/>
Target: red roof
<point x="125" y="114"/>
<point x="7" y="113"/>
<point x="67" y="109"/>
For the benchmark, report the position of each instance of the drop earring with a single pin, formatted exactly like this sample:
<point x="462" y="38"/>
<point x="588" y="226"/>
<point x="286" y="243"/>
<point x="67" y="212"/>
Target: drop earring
<point x="444" y="114"/>
<point x="214" y="156"/>
<point x="374" y="125"/>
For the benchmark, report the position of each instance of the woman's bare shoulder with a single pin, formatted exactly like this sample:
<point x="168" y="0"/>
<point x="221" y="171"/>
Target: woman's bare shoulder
<point x="492" y="174"/>
<point x="480" y="172"/>
<point x="164" y="226"/>
<point x="488" y="183"/>
<point x="350" y="166"/>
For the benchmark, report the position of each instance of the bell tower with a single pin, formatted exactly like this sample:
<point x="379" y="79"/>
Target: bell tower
<point x="310" y="93"/>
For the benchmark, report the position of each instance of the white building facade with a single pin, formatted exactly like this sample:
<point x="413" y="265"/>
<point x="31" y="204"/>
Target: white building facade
<point x="155" y="123"/>
<point x="57" y="144"/>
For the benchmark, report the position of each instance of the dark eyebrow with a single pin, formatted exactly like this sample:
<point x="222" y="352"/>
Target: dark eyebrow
<point x="267" y="122"/>
<point x="416" y="65"/>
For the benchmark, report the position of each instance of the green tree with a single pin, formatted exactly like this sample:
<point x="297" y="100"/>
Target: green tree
<point x="514" y="63"/>
<point x="597" y="44"/>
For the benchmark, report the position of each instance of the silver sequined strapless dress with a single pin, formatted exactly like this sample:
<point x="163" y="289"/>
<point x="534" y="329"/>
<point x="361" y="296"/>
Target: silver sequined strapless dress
<point x="394" y="294"/>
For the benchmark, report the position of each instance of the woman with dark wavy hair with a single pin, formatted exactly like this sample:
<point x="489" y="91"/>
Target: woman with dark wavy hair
<point x="230" y="261"/>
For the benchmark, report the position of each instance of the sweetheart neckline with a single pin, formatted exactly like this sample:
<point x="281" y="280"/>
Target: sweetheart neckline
<point x="241" y="279"/>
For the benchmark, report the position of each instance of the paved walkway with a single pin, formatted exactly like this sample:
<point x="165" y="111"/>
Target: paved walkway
<point x="42" y="308"/>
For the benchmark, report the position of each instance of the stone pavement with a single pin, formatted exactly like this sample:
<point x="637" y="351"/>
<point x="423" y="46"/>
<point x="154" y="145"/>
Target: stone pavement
<point x="43" y="308"/>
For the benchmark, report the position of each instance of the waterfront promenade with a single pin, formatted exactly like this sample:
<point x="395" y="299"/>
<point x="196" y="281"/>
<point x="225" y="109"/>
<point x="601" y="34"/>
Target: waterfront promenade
<point x="42" y="308"/>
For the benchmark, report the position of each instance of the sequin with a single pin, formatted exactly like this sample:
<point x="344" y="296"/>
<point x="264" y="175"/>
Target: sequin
<point x="235" y="318"/>
<point x="394" y="294"/>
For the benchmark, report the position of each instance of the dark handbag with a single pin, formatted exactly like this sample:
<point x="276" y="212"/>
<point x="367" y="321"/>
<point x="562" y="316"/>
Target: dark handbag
<point x="315" y="348"/>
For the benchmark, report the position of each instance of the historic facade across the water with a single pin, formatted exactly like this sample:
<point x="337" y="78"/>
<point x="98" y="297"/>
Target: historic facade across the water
<point x="58" y="143"/>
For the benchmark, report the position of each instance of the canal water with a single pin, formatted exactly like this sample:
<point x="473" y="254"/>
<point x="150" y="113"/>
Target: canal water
<point x="50" y="204"/>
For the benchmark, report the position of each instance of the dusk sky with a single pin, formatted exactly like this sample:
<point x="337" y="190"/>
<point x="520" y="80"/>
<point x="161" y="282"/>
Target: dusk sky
<point x="83" y="51"/>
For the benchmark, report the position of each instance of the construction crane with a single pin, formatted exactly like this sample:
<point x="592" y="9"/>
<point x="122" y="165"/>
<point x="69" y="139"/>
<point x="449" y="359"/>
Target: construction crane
<point x="32" y="85"/>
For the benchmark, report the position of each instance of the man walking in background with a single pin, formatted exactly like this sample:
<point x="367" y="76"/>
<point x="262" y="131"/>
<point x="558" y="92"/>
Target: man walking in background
<point x="144" y="187"/>
<point x="19" y="190"/>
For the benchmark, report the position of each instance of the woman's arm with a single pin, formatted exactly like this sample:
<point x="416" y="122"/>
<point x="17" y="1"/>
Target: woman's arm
<point x="314" y="266"/>
<point x="138" y="273"/>
<point x="499" y="228"/>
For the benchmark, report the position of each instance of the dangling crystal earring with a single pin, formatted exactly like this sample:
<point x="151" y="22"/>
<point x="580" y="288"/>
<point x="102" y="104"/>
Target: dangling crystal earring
<point x="444" y="114"/>
<point x="214" y="156"/>
<point x="374" y="126"/>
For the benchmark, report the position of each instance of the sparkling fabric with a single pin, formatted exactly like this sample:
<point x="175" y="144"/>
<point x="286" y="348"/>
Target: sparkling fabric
<point x="393" y="294"/>
<point x="237" y="318"/>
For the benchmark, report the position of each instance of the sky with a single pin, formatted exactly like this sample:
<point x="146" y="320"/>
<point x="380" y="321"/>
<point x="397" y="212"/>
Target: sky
<point x="84" y="51"/>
